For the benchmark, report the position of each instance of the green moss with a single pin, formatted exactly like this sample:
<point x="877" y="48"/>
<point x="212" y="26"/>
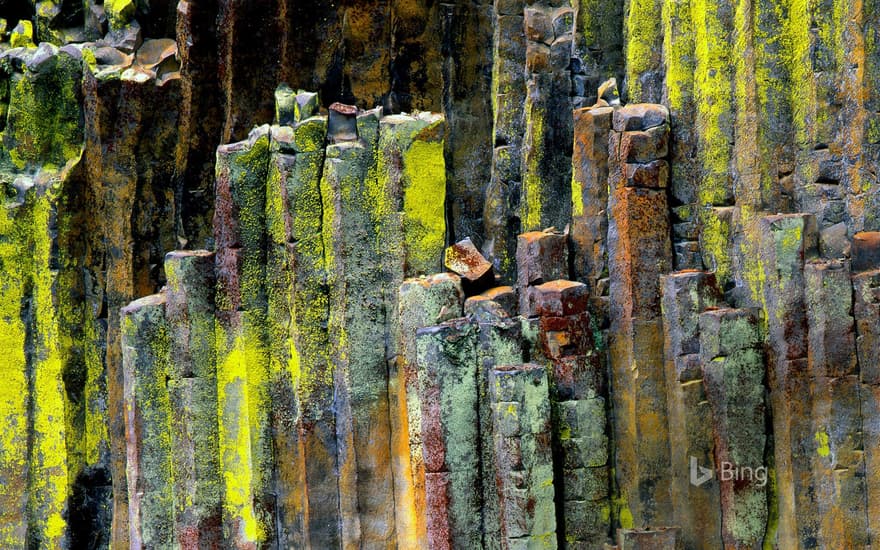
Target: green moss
<point x="45" y="120"/>
<point x="22" y="35"/>
<point x="423" y="206"/>
<point x="822" y="447"/>
<point x="49" y="485"/>
<point x="533" y="185"/>
<point x="235" y="439"/>
<point x="15" y="263"/>
<point x="714" y="99"/>
<point x="715" y="244"/>
<point x="120" y="12"/>
<point x="644" y="41"/>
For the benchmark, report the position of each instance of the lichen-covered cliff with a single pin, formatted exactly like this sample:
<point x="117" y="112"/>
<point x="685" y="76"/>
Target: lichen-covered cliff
<point x="408" y="274"/>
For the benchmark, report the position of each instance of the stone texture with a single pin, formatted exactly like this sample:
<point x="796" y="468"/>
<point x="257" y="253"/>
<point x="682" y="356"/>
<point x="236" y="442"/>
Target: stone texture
<point x="685" y="296"/>
<point x="111" y="114"/>
<point x="733" y="376"/>
<point x="520" y="408"/>
<point x="448" y="391"/>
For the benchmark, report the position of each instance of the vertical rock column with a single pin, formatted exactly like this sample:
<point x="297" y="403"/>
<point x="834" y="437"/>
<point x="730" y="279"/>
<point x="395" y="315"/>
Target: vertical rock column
<point x="242" y="356"/>
<point x="499" y="342"/>
<point x="501" y="212"/>
<point x="125" y="171"/>
<point x="14" y="394"/>
<point x="284" y="362"/>
<point x="192" y="388"/>
<point x="731" y="352"/>
<point x="578" y="395"/>
<point x="589" y="195"/>
<point x="523" y="455"/>
<point x="308" y="491"/>
<point x="148" y="419"/>
<point x="697" y="508"/>
<point x="789" y="240"/>
<point x="541" y="256"/>
<point x="447" y="366"/>
<point x="639" y="250"/>
<point x="838" y="464"/>
<point x="422" y="302"/>
<point x="352" y="220"/>
<point x="546" y="154"/>
<point x="866" y="310"/>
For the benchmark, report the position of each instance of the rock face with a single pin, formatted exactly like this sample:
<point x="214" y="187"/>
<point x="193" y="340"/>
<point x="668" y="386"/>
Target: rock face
<point x="406" y="274"/>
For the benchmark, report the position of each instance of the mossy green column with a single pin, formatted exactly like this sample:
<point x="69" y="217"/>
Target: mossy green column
<point x="685" y="295"/>
<point x="422" y="302"/>
<point x="242" y="355"/>
<point x="521" y="411"/>
<point x="449" y="394"/>
<point x="192" y="388"/>
<point x="146" y="365"/>
<point x="731" y="354"/>
<point x="838" y="464"/>
<point x="352" y="219"/>
<point x="788" y="240"/>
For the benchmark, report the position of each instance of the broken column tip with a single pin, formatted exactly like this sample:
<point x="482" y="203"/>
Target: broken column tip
<point x="476" y="272"/>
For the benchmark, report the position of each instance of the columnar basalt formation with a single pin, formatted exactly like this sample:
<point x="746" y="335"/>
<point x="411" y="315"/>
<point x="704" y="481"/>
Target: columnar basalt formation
<point x="733" y="375"/>
<point x="226" y="322"/>
<point x="639" y="249"/>
<point x="685" y="296"/>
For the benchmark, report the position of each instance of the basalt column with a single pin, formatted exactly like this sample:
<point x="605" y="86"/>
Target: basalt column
<point x="422" y="302"/>
<point x="788" y="240"/>
<point x="639" y="249"/>
<point x="242" y="355"/>
<point x="578" y="386"/>
<point x="731" y="357"/>
<point x="838" y="465"/>
<point x="501" y="212"/>
<point x="356" y="326"/>
<point x="866" y="311"/>
<point x="448" y="391"/>
<point x="192" y="388"/>
<point x="589" y="195"/>
<point x="546" y="155"/>
<point x="687" y="294"/>
<point x="523" y="459"/>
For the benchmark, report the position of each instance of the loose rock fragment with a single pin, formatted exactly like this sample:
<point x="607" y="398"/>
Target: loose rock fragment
<point x="464" y="259"/>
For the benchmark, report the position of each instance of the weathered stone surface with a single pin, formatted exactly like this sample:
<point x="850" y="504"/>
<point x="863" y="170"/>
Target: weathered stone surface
<point x="649" y="539"/>
<point x="639" y="250"/>
<point x="733" y="375"/>
<point x="866" y="251"/>
<point x="788" y="241"/>
<point x="866" y="311"/>
<point x="685" y="295"/>
<point x="639" y="116"/>
<point x="464" y="259"/>
<point x="242" y="354"/>
<point x="541" y="256"/>
<point x="422" y="302"/>
<point x="356" y="328"/>
<point x="449" y="394"/>
<point x="108" y="161"/>
<point x="149" y="448"/>
<point x="520" y="408"/>
<point x="589" y="222"/>
<point x="192" y="387"/>
<point x="561" y="298"/>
